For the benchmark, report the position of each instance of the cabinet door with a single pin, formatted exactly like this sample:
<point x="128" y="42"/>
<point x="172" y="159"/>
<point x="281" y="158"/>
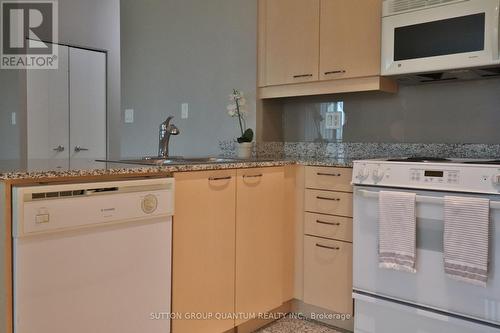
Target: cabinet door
<point x="350" y="38"/>
<point x="291" y="32"/>
<point x="48" y="116"/>
<point x="259" y="243"/>
<point x="87" y="88"/>
<point x="204" y="249"/>
<point x="328" y="274"/>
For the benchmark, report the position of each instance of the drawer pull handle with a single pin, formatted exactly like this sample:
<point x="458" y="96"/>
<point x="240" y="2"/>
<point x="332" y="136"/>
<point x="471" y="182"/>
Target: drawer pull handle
<point x="219" y="178"/>
<point x="302" y="75"/>
<point x="336" y="224"/>
<point x="329" y="199"/>
<point x="253" y="176"/>
<point x="329" y="174"/>
<point x="328" y="247"/>
<point x="342" y="71"/>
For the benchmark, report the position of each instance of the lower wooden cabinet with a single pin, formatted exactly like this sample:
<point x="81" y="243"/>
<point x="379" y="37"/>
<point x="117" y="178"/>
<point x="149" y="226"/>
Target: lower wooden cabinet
<point x="259" y="243"/>
<point x="227" y="246"/>
<point x="328" y="239"/>
<point x="204" y="249"/>
<point x="328" y="274"/>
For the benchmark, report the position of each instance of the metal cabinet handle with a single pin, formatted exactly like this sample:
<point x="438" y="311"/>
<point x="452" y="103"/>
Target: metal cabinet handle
<point x="79" y="149"/>
<point x="302" y="75"/>
<point x="342" y="71"/>
<point x="59" y="149"/>
<point x="253" y="176"/>
<point x="325" y="198"/>
<point x="219" y="178"/>
<point x="336" y="224"/>
<point x="328" y="247"/>
<point x="329" y="174"/>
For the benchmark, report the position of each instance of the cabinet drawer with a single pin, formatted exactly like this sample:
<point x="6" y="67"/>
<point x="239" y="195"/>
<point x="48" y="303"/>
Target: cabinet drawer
<point x="328" y="274"/>
<point x="332" y="203"/>
<point x="334" y="227"/>
<point x="330" y="179"/>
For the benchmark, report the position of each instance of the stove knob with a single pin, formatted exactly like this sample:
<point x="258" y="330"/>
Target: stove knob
<point x="378" y="175"/>
<point x="363" y="173"/>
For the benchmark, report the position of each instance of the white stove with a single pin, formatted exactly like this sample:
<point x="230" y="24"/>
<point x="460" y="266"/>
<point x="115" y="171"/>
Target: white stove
<point x="428" y="301"/>
<point x="457" y="175"/>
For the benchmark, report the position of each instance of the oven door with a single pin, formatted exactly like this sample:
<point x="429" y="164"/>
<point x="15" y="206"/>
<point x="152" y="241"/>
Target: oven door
<point x="429" y="289"/>
<point x="459" y="35"/>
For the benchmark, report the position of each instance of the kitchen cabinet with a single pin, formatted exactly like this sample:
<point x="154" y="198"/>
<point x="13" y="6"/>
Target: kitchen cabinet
<point x="328" y="239"/>
<point x="66" y="111"/>
<point x="350" y="38"/>
<point x="204" y="249"/>
<point x="228" y="246"/>
<point x="328" y="274"/>
<point x="291" y="37"/>
<point x="314" y="47"/>
<point x="259" y="243"/>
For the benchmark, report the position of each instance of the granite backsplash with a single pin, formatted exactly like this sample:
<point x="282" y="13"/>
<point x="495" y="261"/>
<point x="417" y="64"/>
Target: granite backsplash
<point x="365" y="150"/>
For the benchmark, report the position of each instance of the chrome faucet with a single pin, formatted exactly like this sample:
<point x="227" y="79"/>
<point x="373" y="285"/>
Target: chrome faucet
<point x="166" y="131"/>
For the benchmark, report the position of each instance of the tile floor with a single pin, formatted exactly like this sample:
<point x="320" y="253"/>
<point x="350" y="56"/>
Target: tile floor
<point x="292" y="325"/>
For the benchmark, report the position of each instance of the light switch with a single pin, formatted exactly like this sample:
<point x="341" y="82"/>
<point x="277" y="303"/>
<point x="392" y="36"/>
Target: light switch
<point x="129" y="116"/>
<point x="184" y="111"/>
<point x="14" y="118"/>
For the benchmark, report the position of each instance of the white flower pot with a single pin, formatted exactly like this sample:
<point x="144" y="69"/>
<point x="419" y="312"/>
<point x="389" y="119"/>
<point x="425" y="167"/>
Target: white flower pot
<point x="245" y="150"/>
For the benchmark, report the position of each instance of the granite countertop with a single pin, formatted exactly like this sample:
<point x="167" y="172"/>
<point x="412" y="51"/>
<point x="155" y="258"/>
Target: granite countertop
<point x="117" y="169"/>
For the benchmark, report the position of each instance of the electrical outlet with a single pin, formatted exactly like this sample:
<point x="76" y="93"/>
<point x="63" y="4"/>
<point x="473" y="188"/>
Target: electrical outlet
<point x="337" y="120"/>
<point x="14" y="118"/>
<point x="333" y="120"/>
<point x="329" y="121"/>
<point x="129" y="116"/>
<point x="184" y="111"/>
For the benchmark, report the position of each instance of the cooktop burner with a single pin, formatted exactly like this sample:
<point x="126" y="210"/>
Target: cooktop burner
<point x="491" y="162"/>
<point x="418" y="159"/>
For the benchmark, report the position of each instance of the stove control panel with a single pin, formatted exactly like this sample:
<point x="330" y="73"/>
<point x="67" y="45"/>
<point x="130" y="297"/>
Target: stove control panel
<point x="454" y="177"/>
<point x="435" y="176"/>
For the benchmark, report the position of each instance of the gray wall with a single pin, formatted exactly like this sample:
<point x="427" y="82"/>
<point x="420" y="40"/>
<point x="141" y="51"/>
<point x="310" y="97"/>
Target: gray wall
<point x="459" y="112"/>
<point x="193" y="51"/>
<point x="11" y="101"/>
<point x="89" y="23"/>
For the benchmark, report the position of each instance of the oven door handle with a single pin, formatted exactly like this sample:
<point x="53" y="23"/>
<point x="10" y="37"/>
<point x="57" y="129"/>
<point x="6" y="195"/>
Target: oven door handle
<point x="420" y="198"/>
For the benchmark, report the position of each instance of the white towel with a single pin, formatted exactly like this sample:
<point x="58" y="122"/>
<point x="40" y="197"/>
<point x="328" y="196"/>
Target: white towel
<point x="466" y="239"/>
<point x="397" y="231"/>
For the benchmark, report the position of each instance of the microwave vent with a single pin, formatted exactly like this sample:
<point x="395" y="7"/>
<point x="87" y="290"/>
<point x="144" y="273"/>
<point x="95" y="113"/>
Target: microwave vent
<point x="398" y="6"/>
<point x="452" y="75"/>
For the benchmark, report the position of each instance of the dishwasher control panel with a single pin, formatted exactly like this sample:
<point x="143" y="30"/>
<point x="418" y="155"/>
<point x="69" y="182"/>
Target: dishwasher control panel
<point x="133" y="201"/>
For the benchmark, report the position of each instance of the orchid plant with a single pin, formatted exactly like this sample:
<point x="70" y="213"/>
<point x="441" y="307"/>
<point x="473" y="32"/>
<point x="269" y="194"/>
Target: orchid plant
<point x="237" y="108"/>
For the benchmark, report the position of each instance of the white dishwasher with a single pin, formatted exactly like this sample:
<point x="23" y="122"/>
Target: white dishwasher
<point x="93" y="257"/>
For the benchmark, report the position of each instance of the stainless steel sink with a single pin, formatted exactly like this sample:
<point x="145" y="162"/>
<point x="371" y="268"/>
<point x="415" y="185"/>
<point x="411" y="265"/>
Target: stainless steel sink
<point x="177" y="160"/>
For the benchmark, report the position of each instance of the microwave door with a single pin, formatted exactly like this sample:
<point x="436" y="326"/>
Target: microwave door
<point x="459" y="35"/>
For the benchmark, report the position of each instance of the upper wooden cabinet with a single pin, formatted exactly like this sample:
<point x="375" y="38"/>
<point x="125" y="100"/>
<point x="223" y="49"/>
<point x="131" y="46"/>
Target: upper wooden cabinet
<point x="290" y="37"/>
<point x="350" y="38"/>
<point x="314" y="47"/>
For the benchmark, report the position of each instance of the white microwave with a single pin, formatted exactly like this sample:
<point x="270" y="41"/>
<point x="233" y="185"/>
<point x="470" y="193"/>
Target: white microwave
<point x="421" y="36"/>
